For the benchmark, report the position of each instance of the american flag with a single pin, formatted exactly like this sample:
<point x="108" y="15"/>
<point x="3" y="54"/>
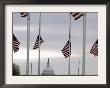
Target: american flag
<point x="94" y="49"/>
<point x="37" y="42"/>
<point x="24" y="14"/>
<point x="77" y="15"/>
<point x="67" y="49"/>
<point x="15" y="44"/>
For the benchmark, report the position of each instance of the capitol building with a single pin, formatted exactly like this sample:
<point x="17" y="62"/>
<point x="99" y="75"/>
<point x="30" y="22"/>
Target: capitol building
<point x="48" y="71"/>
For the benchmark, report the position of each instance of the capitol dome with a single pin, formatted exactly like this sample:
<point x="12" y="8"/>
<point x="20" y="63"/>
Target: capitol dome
<point x="48" y="71"/>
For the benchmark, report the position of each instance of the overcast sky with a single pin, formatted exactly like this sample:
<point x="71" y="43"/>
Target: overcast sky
<point x="54" y="32"/>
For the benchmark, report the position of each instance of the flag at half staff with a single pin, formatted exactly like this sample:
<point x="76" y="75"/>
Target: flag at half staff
<point x="15" y="44"/>
<point x="94" y="49"/>
<point x="37" y="42"/>
<point x="67" y="49"/>
<point x="24" y="14"/>
<point x="76" y="15"/>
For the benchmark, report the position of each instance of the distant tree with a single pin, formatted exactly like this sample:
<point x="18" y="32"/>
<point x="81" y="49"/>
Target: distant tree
<point x="16" y="70"/>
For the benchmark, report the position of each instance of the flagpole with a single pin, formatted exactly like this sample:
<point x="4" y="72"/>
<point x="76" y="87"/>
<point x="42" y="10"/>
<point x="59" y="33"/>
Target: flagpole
<point x="12" y="39"/>
<point x="69" y="46"/>
<point x="84" y="43"/>
<point x="39" y="44"/>
<point x="28" y="41"/>
<point x="78" y="67"/>
<point x="31" y="68"/>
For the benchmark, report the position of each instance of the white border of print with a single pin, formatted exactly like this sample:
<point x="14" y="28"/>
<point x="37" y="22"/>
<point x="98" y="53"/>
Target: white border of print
<point x="100" y="79"/>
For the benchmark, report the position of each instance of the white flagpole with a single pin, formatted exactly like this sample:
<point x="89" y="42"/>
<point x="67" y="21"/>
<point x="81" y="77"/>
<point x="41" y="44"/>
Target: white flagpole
<point x="69" y="46"/>
<point x="28" y="43"/>
<point x="84" y="43"/>
<point x="39" y="44"/>
<point x="78" y="67"/>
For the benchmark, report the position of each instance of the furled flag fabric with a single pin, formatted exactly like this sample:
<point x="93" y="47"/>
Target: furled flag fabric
<point x="24" y="14"/>
<point x="15" y="44"/>
<point x="67" y="49"/>
<point x="77" y="15"/>
<point x="94" y="49"/>
<point x="37" y="42"/>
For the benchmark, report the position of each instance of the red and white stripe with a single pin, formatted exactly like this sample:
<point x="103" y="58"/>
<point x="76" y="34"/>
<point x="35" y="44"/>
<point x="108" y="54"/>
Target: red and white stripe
<point x="24" y="14"/>
<point x="15" y="44"/>
<point x="67" y="49"/>
<point x="37" y="42"/>
<point x="94" y="49"/>
<point x="77" y="15"/>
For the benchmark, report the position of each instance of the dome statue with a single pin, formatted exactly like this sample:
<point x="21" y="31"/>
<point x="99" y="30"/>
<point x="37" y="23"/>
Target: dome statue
<point x="48" y="71"/>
